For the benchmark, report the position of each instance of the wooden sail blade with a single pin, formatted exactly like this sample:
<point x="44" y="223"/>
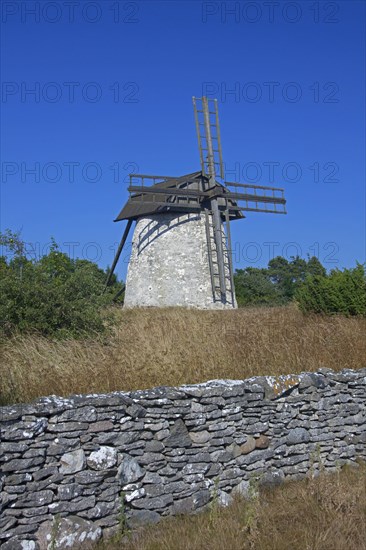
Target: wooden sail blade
<point x="208" y="135"/>
<point x="140" y="190"/>
<point x="256" y="198"/>
<point x="281" y="210"/>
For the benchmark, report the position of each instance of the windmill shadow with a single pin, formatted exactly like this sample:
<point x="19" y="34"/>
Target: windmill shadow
<point x="155" y="229"/>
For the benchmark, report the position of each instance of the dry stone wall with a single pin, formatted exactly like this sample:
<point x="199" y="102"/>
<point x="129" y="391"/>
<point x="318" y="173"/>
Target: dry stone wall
<point x="75" y="469"/>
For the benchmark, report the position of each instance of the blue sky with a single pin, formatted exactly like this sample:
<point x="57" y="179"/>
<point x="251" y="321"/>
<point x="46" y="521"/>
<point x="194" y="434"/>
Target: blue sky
<point x="112" y="86"/>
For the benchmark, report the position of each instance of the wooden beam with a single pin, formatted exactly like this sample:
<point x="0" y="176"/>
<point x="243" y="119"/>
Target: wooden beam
<point x="118" y="253"/>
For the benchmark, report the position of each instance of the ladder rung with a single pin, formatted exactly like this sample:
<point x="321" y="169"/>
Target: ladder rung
<point x="210" y="112"/>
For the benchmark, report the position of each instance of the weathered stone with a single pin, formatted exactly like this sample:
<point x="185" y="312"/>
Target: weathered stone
<point x="16" y="479"/>
<point x="277" y="386"/>
<point x="101" y="426"/>
<point x="272" y="477"/>
<point x="66" y="427"/>
<point x="246" y="489"/>
<point x="234" y="450"/>
<point x="67" y="532"/>
<point x="259" y="427"/>
<point x="221" y="456"/>
<point x="154" y="446"/>
<point x="194" y="502"/>
<point x="312" y="379"/>
<point x="143" y="517"/>
<point x="28" y="429"/>
<point x="104" y="458"/>
<point x="156" y="503"/>
<point x="110" y="493"/>
<point x="151" y="458"/>
<point x="200" y="437"/>
<point x="163" y="434"/>
<point x="175" y="487"/>
<point x="101" y="509"/>
<point x="39" y="498"/>
<point x="197" y="407"/>
<point x="214" y="470"/>
<point x="83" y="414"/>
<point x="224" y="499"/>
<point x="72" y="462"/>
<point x="118" y="440"/>
<point x="297" y="435"/>
<point x="262" y="442"/>
<point x="137" y="493"/>
<point x="196" y="468"/>
<point x="136" y="411"/>
<point x="293" y="459"/>
<point x="13" y="447"/>
<point x="89" y="477"/>
<point x="68" y="492"/>
<point x="15" y="489"/>
<point x="72" y="506"/>
<point x="44" y="473"/>
<point x="248" y="446"/>
<point x="19" y="464"/>
<point x="179" y="436"/>
<point x="7" y="523"/>
<point x="129" y="471"/>
<point x="18" y="543"/>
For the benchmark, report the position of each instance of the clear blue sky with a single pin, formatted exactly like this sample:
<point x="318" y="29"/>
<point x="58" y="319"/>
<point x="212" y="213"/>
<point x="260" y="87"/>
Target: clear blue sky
<point x="113" y="85"/>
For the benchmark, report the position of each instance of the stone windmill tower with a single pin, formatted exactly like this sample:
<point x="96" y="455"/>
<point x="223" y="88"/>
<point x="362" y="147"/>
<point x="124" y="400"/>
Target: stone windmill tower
<point x="181" y="246"/>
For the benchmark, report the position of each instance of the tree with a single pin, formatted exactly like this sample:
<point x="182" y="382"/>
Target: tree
<point x="54" y="296"/>
<point x="287" y="275"/>
<point x="275" y="284"/>
<point x="253" y="286"/>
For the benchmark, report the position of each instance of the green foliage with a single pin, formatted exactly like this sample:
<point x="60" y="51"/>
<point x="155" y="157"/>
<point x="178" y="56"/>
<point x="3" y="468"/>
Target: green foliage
<point x="276" y="284"/>
<point x="305" y="281"/>
<point x="339" y="292"/>
<point x="254" y="287"/>
<point x="54" y="296"/>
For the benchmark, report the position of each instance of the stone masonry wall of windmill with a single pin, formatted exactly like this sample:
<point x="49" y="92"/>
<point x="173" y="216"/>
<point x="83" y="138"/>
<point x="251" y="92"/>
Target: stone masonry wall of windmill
<point x="169" y="264"/>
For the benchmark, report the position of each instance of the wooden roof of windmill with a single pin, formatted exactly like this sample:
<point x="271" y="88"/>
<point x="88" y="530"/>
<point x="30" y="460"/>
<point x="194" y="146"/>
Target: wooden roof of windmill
<point x="188" y="193"/>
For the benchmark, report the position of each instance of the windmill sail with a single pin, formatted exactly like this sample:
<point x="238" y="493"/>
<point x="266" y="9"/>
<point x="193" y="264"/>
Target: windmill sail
<point x="208" y="134"/>
<point x="209" y="142"/>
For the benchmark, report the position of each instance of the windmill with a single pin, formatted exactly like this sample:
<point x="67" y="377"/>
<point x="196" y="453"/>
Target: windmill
<point x="181" y="247"/>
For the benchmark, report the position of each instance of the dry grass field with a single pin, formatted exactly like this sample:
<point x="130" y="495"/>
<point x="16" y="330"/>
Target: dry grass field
<point x="153" y="347"/>
<point x="323" y="513"/>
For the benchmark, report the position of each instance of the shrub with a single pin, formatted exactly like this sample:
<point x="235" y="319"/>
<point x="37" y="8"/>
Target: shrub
<point x="339" y="292"/>
<point x="54" y="295"/>
<point x="276" y="284"/>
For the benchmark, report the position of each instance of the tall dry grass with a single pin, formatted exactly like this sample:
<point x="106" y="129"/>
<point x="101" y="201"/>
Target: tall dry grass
<point x="323" y="513"/>
<point x="152" y="347"/>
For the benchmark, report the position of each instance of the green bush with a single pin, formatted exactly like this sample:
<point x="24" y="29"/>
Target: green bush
<point x="276" y="284"/>
<point x="54" y="296"/>
<point x="254" y="287"/>
<point x="339" y="292"/>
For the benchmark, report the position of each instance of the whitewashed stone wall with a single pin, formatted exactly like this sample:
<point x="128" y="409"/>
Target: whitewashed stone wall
<point x="72" y="469"/>
<point x="169" y="264"/>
